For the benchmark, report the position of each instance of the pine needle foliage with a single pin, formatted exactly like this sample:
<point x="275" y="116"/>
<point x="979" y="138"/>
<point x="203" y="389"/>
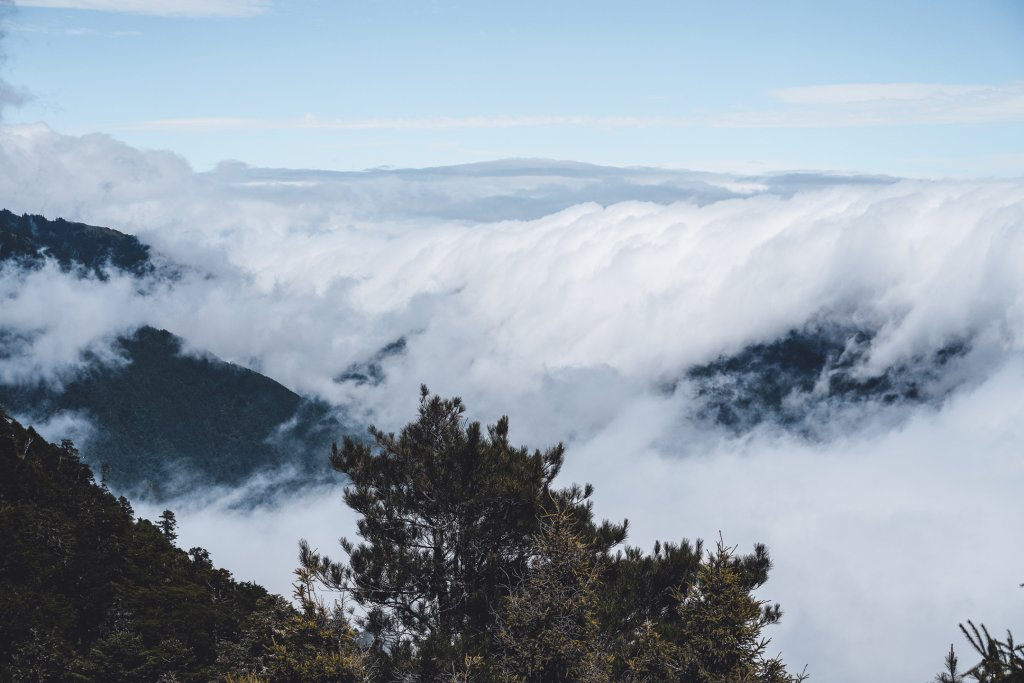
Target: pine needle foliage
<point x="448" y="513"/>
<point x="549" y="630"/>
<point x="1002" y="661"/>
<point x="723" y="622"/>
<point x="90" y="593"/>
<point x="317" y="644"/>
<point x="951" y="674"/>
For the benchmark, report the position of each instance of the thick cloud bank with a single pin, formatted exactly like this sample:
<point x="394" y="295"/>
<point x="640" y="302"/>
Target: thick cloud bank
<point x="576" y="299"/>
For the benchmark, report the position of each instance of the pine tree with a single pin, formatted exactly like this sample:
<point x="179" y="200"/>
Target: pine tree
<point x="448" y="515"/>
<point x="1001" y="661"/>
<point x="549" y="628"/>
<point x="639" y="605"/>
<point x="722" y="621"/>
<point x="315" y="645"/>
<point x="168" y="525"/>
<point x="952" y="673"/>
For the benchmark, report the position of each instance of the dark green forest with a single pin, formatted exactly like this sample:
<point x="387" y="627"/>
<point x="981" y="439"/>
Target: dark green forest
<point x="471" y="565"/>
<point x="30" y="240"/>
<point x="236" y="417"/>
<point x="90" y="593"/>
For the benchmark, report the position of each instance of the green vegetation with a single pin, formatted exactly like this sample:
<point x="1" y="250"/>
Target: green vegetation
<point x="234" y="417"/>
<point x="30" y="239"/>
<point x="472" y="566"/>
<point x="817" y="364"/>
<point x="1002" y="661"/>
<point x="88" y="593"/>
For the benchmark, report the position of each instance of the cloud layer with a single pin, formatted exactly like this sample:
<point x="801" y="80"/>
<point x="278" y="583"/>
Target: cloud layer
<point x="878" y="104"/>
<point x="570" y="297"/>
<point x="845" y="104"/>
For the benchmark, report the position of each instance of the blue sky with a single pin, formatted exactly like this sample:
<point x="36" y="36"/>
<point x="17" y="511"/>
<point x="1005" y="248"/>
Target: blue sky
<point x="911" y="88"/>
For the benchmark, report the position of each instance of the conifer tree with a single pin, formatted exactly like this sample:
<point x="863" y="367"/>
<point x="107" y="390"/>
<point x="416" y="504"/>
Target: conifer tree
<point x="723" y="622"/>
<point x="549" y="627"/>
<point x="168" y="525"/>
<point x="448" y="513"/>
<point x="472" y="566"/>
<point x="952" y="673"/>
<point x="315" y="644"/>
<point x="1002" y="661"/>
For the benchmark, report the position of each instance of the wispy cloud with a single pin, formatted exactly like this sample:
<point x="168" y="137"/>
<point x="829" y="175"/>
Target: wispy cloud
<point x="853" y="93"/>
<point x="73" y="31"/>
<point x="888" y="104"/>
<point x="162" y="8"/>
<point x="858" y="104"/>
<point x="309" y="121"/>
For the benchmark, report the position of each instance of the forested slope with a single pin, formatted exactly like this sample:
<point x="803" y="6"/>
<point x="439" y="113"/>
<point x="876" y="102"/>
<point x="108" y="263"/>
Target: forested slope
<point x="90" y="593"/>
<point x="31" y="239"/>
<point x="165" y="420"/>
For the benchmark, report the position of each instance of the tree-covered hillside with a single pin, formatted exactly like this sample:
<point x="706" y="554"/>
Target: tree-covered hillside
<point x="89" y="593"/>
<point x="165" y="419"/>
<point x="796" y="379"/>
<point x="30" y="239"/>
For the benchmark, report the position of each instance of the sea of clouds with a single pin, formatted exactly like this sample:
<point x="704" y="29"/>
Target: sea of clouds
<point x="574" y="298"/>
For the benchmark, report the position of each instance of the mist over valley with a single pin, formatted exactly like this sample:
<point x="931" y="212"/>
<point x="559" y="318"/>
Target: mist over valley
<point x="811" y="386"/>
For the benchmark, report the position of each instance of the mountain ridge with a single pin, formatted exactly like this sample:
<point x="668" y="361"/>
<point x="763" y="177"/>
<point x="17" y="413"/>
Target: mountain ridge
<point x="30" y="239"/>
<point x="163" y="420"/>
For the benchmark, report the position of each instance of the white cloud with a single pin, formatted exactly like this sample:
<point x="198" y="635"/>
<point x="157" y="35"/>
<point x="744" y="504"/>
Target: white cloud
<point x="858" y="104"/>
<point x="63" y="425"/>
<point x="569" y="315"/>
<point x="88" y="169"/>
<point x="887" y="104"/>
<point x="311" y="122"/>
<point x="876" y="538"/>
<point x="163" y="8"/>
<point x="52" y="346"/>
<point x="881" y="92"/>
<point x="69" y="31"/>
